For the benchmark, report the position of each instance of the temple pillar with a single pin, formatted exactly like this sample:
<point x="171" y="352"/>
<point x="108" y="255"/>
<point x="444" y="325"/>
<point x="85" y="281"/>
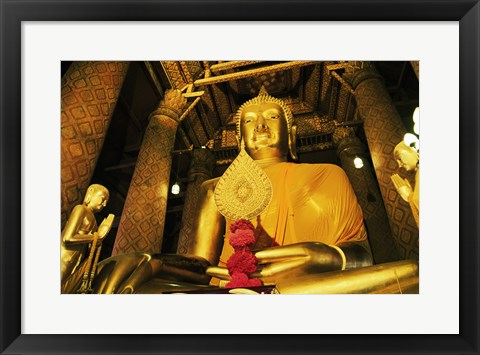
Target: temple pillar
<point x="384" y="129"/>
<point x="201" y="169"/>
<point x="89" y="94"/>
<point x="368" y="194"/>
<point x="143" y="217"/>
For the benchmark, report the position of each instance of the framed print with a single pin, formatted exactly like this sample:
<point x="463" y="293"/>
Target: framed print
<point x="164" y="43"/>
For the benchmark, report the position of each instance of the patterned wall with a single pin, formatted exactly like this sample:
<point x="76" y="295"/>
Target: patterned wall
<point x="384" y="130"/>
<point x="89" y="94"/>
<point x="325" y="89"/>
<point x="416" y="67"/>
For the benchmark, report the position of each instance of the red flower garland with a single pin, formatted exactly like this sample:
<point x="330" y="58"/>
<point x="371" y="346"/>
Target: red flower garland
<point x="241" y="224"/>
<point x="241" y="280"/>
<point x="242" y="239"/>
<point x="242" y="263"/>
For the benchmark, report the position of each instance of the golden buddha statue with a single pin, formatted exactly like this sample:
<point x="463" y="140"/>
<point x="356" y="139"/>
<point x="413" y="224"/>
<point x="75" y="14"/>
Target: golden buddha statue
<point x="79" y="232"/>
<point x="408" y="159"/>
<point x="312" y="223"/>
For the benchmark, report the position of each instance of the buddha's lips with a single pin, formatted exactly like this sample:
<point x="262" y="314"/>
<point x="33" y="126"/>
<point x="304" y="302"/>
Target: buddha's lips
<point x="261" y="135"/>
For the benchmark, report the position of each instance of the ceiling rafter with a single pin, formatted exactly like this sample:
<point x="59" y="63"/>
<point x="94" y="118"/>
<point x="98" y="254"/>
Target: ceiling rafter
<point x="232" y="65"/>
<point x="251" y="72"/>
<point x="152" y="76"/>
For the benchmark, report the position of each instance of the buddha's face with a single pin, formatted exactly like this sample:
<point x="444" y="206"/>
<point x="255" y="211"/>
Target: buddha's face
<point x="407" y="159"/>
<point x="264" y="131"/>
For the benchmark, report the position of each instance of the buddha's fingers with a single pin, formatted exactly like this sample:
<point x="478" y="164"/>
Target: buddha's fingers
<point x="219" y="272"/>
<point x="281" y="269"/>
<point x="280" y="253"/>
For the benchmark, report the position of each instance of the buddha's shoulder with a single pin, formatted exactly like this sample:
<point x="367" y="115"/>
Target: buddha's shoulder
<point x="209" y="185"/>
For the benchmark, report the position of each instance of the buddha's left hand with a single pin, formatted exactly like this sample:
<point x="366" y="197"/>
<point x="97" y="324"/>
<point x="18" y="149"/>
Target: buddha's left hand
<point x="296" y="260"/>
<point x="290" y="261"/>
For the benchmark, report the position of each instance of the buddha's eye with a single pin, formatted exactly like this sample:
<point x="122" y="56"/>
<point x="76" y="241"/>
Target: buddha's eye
<point x="249" y="118"/>
<point x="272" y="114"/>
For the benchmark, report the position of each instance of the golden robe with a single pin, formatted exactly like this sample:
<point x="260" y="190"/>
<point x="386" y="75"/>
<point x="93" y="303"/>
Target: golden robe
<point x="310" y="203"/>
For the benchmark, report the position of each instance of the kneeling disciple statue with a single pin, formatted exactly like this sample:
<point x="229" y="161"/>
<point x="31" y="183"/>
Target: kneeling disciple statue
<point x="81" y="231"/>
<point x="407" y="158"/>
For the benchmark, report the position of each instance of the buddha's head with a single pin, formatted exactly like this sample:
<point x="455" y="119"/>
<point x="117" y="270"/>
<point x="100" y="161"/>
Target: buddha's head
<point x="265" y="124"/>
<point x="406" y="156"/>
<point x="96" y="197"/>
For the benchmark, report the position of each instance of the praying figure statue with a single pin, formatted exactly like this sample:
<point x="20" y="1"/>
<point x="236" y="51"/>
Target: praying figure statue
<point x="81" y="234"/>
<point x="407" y="158"/>
<point x="310" y="223"/>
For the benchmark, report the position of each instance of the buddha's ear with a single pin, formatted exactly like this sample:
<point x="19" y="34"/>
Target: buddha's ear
<point x="292" y="142"/>
<point x="239" y="145"/>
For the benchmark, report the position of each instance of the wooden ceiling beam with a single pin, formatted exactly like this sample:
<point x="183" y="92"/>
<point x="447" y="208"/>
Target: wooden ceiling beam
<point x="153" y="79"/>
<point x="232" y="64"/>
<point x="252" y="72"/>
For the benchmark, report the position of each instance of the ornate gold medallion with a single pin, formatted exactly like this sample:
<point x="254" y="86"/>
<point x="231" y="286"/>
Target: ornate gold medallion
<point x="244" y="190"/>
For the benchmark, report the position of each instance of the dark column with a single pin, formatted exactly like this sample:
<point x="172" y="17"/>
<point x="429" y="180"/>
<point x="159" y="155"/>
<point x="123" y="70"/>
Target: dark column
<point x="384" y="129"/>
<point x="143" y="218"/>
<point x="201" y="169"/>
<point x="368" y="194"/>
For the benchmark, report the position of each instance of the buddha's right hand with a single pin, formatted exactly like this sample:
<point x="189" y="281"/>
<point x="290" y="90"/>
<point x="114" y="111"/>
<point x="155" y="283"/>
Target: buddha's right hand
<point x="219" y="272"/>
<point x="125" y="273"/>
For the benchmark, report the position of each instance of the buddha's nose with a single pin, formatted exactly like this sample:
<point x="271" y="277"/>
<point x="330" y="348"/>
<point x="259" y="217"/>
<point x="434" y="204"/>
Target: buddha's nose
<point x="261" y="124"/>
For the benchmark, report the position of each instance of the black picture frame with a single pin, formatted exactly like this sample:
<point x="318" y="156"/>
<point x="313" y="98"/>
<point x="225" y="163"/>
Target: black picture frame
<point x="13" y="12"/>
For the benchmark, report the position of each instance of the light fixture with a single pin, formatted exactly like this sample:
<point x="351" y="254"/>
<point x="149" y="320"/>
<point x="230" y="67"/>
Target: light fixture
<point x="416" y="120"/>
<point x="175" y="188"/>
<point x="358" y="162"/>
<point x="411" y="140"/>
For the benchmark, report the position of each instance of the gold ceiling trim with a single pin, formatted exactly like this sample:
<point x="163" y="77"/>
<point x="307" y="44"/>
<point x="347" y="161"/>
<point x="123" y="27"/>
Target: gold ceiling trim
<point x="232" y="65"/>
<point x="252" y="72"/>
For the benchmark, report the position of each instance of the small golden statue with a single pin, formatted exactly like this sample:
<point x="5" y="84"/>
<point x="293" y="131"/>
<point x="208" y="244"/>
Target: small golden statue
<point x="408" y="159"/>
<point x="81" y="232"/>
